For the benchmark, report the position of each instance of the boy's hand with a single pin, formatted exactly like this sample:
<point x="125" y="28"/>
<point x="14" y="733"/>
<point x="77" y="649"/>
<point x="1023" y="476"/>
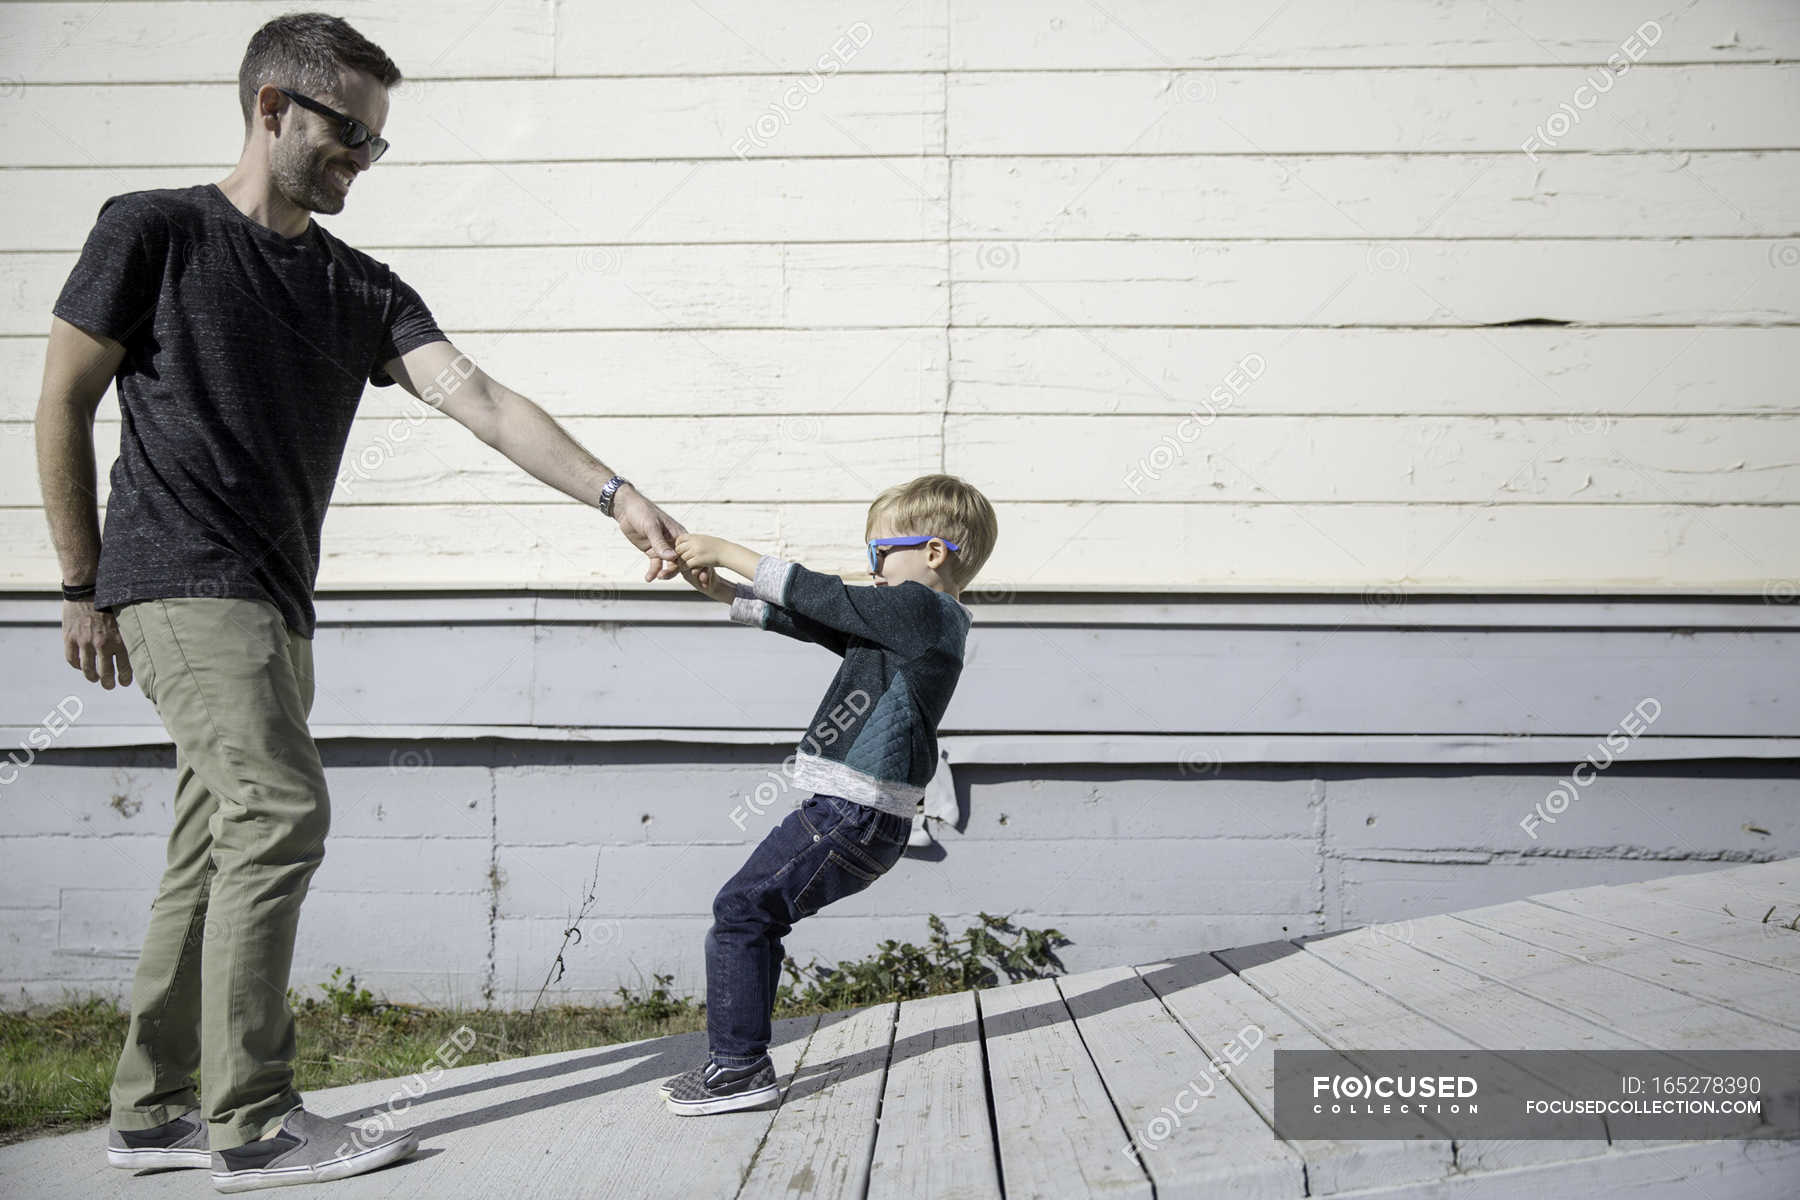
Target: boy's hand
<point x="706" y="580"/>
<point x="698" y="550"/>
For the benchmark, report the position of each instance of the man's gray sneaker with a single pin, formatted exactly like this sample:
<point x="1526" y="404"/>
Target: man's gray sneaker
<point x="177" y="1143"/>
<point x="716" y="1089"/>
<point x="309" y="1149"/>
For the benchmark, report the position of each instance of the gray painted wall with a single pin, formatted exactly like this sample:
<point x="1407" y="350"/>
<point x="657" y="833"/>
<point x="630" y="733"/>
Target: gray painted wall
<point x="1152" y="776"/>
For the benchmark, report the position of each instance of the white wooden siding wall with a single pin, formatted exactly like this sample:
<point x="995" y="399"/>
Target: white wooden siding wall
<point x="1021" y="241"/>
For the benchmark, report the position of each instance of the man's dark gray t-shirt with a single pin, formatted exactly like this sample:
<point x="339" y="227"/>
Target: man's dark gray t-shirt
<point x="245" y="357"/>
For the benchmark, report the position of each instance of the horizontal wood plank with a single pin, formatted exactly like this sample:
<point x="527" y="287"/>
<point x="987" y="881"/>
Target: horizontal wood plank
<point x="1241" y="458"/>
<point x="423" y="455"/>
<point x="1350" y="195"/>
<point x="188" y="40"/>
<point x="1070" y="34"/>
<point x="1585" y="374"/>
<point x="619" y="287"/>
<point x="799" y="37"/>
<point x="1433" y="283"/>
<point x="506" y="119"/>
<point x="1025" y="200"/>
<point x="646" y="373"/>
<point x="1244" y="456"/>
<point x="1284" y="112"/>
<point x="476" y="205"/>
<point x="1381" y="549"/>
<point x="477" y="37"/>
<point x="1469" y="371"/>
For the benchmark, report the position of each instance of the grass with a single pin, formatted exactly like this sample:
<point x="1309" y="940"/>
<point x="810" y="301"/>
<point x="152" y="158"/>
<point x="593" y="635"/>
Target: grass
<point x="56" y="1064"/>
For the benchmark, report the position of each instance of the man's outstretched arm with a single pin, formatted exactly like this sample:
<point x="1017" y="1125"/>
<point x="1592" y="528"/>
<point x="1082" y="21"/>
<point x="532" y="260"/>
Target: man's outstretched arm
<point x="77" y="369"/>
<point x="446" y="379"/>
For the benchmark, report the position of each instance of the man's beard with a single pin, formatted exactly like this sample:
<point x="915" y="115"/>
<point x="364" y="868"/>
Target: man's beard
<point x="302" y="179"/>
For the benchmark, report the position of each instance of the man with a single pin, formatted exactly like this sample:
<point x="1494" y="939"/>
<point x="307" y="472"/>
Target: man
<point x="241" y="334"/>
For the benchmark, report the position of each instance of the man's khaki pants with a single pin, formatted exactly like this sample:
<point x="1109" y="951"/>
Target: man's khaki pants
<point x="233" y="686"/>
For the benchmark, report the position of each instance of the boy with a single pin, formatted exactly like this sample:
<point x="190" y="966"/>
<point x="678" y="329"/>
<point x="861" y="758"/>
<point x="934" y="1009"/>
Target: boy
<point x="867" y="756"/>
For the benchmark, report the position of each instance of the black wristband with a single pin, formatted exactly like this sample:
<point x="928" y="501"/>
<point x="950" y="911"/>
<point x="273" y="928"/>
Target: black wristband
<point x="84" y="592"/>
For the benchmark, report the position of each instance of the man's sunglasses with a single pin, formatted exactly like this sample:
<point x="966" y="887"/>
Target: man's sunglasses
<point x="351" y="132"/>
<point x="880" y="546"/>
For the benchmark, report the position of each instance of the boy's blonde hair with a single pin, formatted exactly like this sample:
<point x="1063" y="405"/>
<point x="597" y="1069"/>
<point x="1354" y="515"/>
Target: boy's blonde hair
<point x="940" y="506"/>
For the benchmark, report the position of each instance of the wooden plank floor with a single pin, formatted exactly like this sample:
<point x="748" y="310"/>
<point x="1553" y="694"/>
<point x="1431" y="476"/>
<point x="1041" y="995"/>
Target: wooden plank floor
<point x="1099" y="1084"/>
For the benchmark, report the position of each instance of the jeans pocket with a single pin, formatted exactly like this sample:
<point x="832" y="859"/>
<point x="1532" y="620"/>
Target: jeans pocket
<point x="836" y="878"/>
<point x="893" y="830"/>
<point x="811" y="816"/>
<point x="889" y="850"/>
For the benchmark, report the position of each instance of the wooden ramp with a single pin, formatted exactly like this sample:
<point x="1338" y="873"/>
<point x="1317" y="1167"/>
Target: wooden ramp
<point x="1097" y="1084"/>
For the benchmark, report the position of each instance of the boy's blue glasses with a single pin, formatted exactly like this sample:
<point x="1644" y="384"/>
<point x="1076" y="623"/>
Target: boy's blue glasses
<point x="877" y="545"/>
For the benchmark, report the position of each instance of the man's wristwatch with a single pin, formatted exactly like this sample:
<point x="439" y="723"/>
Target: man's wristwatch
<point x="608" y="492"/>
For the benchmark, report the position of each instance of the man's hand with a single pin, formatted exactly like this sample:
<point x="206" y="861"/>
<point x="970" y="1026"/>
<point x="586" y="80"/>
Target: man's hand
<point x="78" y="367"/>
<point x="650" y="529"/>
<point x="92" y="645"/>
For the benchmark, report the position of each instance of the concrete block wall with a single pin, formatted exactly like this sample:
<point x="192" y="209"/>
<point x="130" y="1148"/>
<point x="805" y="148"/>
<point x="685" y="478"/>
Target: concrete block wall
<point x="1153" y="775"/>
<point x="454" y="867"/>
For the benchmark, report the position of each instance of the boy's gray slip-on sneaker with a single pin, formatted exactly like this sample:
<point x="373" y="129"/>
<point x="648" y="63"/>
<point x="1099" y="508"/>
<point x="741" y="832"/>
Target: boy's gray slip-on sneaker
<point x="308" y="1149"/>
<point x="668" y="1085"/>
<point x="716" y="1089"/>
<point x="177" y="1143"/>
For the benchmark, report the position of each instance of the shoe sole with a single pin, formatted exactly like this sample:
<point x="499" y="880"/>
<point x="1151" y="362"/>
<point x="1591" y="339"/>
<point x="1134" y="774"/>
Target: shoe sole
<point x="760" y="1098"/>
<point x="374" y="1158"/>
<point x="144" y="1158"/>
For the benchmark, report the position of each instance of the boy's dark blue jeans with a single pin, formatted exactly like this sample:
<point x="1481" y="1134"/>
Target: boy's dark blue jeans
<point x="824" y="850"/>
